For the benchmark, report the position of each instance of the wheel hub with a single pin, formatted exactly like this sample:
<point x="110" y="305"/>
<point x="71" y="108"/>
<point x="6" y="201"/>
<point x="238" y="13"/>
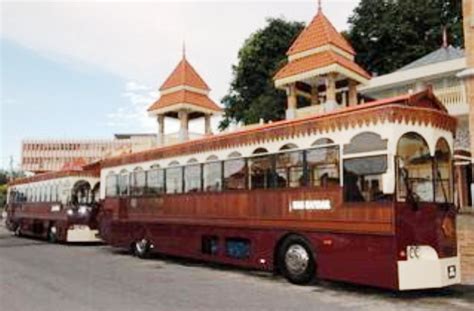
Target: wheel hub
<point x="296" y="259"/>
<point x="141" y="246"/>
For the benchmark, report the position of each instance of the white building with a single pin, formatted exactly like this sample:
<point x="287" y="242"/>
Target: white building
<point x="42" y="155"/>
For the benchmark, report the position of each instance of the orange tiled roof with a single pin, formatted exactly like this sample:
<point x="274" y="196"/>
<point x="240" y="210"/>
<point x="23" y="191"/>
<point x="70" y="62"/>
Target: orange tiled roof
<point x="318" y="33"/>
<point x="316" y="61"/>
<point x="184" y="75"/>
<point x="187" y="97"/>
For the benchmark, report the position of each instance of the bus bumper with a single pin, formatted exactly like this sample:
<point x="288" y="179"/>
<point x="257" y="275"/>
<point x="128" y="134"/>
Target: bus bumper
<point x="82" y="233"/>
<point x="428" y="273"/>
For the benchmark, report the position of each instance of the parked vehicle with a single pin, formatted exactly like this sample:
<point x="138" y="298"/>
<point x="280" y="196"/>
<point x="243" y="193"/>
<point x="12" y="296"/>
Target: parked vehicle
<point x="60" y="206"/>
<point x="362" y="194"/>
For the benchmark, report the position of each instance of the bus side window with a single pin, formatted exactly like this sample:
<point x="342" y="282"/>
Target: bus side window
<point x="363" y="179"/>
<point x="323" y="166"/>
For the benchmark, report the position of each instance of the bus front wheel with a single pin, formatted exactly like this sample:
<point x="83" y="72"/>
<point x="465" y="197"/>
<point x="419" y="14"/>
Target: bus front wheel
<point x="296" y="260"/>
<point x="18" y="232"/>
<point x="141" y="248"/>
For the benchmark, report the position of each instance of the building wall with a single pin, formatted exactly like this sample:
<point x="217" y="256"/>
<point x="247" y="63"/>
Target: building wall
<point x="40" y="155"/>
<point x="465" y="223"/>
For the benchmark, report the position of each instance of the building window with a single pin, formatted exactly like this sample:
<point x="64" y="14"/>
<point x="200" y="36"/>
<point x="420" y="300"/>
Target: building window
<point x="323" y="166"/>
<point x="363" y="179"/>
<point x="192" y="178"/>
<point x="212" y="173"/>
<point x="235" y="174"/>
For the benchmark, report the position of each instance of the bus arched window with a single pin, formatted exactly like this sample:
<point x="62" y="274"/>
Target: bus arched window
<point x="81" y="192"/>
<point x="322" y="141"/>
<point x="365" y="142"/>
<point x="443" y="172"/>
<point x="323" y="166"/>
<point x="415" y="168"/>
<point x="289" y="146"/>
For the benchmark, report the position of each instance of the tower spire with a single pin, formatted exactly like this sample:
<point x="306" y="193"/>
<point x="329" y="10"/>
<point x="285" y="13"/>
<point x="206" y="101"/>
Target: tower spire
<point x="320" y="7"/>
<point x="184" y="49"/>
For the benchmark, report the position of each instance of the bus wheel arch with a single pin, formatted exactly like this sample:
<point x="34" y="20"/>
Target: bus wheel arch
<point x="295" y="259"/>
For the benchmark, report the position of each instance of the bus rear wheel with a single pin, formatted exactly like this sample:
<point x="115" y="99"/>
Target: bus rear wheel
<point x="296" y="260"/>
<point x="141" y="248"/>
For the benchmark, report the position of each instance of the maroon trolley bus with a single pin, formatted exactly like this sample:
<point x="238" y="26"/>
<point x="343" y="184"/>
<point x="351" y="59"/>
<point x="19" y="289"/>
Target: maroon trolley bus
<point x="60" y="206"/>
<point x="362" y="194"/>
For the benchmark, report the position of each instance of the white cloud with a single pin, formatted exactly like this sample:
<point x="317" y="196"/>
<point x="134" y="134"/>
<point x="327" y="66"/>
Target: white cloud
<point x="141" y="41"/>
<point x="133" y="115"/>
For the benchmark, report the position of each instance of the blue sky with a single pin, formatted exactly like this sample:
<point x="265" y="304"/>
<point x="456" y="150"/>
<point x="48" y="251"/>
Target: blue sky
<point x="42" y="98"/>
<point x="90" y="69"/>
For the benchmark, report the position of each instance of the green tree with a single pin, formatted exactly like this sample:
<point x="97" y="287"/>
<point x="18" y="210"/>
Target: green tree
<point x="388" y="34"/>
<point x="3" y="195"/>
<point x="252" y="94"/>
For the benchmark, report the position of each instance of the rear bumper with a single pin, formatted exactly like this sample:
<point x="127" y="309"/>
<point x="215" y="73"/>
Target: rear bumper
<point x="428" y="273"/>
<point x="82" y="234"/>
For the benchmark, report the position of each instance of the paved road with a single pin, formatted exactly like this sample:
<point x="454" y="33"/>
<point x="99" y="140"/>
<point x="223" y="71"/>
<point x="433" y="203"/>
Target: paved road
<point x="38" y="276"/>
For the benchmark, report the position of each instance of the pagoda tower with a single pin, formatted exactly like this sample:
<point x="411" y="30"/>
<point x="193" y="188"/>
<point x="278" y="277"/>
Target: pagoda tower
<point x="320" y="68"/>
<point x="184" y="96"/>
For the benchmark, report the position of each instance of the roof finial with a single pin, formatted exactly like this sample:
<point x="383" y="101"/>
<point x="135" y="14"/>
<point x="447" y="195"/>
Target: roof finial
<point x="445" y="37"/>
<point x="320" y="7"/>
<point x="184" y="49"/>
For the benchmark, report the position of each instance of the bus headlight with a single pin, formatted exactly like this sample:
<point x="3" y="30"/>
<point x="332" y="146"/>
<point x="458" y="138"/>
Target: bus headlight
<point x="83" y="210"/>
<point x="70" y="212"/>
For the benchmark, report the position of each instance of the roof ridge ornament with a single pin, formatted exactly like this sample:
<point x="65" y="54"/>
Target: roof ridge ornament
<point x="320" y="7"/>
<point x="445" y="37"/>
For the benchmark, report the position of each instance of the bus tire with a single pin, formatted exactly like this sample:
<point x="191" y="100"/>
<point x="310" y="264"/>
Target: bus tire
<point x="296" y="260"/>
<point x="53" y="234"/>
<point x="141" y="248"/>
<point x="18" y="232"/>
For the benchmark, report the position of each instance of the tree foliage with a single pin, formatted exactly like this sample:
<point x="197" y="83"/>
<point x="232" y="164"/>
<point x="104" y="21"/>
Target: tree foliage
<point x="252" y="94"/>
<point x="388" y="34"/>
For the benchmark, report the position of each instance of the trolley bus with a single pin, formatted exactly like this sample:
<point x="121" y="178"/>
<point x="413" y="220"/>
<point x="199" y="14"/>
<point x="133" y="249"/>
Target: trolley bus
<point x="59" y="206"/>
<point x="361" y="194"/>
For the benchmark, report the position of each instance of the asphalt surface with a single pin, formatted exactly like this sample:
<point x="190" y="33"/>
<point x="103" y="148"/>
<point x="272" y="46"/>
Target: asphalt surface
<point x="35" y="275"/>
